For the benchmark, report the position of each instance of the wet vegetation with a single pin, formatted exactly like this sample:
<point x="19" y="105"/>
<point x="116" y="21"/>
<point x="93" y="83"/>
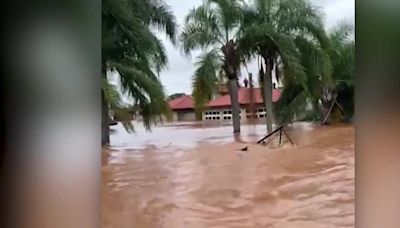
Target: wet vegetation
<point x="314" y="66"/>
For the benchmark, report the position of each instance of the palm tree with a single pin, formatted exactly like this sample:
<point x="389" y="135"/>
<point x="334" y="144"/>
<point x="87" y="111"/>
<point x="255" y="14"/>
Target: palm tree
<point x="340" y="60"/>
<point x="330" y="72"/>
<point x="297" y="95"/>
<point x="131" y="48"/>
<point x="343" y="59"/>
<point x="274" y="29"/>
<point x="213" y="27"/>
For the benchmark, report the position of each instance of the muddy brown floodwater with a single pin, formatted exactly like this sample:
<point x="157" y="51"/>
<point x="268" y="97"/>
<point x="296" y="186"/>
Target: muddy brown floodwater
<point x="195" y="177"/>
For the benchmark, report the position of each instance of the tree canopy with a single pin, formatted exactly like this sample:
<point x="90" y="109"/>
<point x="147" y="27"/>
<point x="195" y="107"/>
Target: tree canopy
<point x="130" y="47"/>
<point x="214" y="28"/>
<point x="288" y="35"/>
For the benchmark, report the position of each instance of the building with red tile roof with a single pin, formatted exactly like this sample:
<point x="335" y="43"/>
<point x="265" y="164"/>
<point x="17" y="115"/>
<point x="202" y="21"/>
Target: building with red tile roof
<point x="220" y="107"/>
<point x="182" y="108"/>
<point x="180" y="103"/>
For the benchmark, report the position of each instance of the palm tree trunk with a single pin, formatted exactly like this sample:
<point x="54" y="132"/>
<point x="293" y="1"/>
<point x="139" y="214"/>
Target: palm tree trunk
<point x="268" y="94"/>
<point x="105" y="121"/>
<point x="233" y="92"/>
<point x="231" y="63"/>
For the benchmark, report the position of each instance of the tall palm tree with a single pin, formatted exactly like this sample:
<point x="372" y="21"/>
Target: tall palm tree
<point x="130" y="47"/>
<point x="298" y="95"/>
<point x="343" y="59"/>
<point x="340" y="56"/>
<point x="329" y="71"/>
<point x="213" y="27"/>
<point x="273" y="29"/>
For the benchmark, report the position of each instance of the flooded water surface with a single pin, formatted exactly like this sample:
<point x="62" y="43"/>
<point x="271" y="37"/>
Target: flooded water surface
<point x="193" y="176"/>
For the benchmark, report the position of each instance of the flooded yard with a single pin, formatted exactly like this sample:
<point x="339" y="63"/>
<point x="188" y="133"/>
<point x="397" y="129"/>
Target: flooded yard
<point x="192" y="176"/>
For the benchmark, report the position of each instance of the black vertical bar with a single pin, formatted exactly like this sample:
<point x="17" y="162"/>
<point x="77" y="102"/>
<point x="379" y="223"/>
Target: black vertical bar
<point x="280" y="137"/>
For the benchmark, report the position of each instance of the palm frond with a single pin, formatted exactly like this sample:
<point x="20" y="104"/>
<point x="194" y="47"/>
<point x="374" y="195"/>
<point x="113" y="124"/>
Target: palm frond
<point x="163" y="18"/>
<point x="317" y="64"/>
<point x="121" y="112"/>
<point x="196" y="36"/>
<point x="124" y="115"/>
<point x="159" y="56"/>
<point x="148" y="94"/>
<point x="299" y="17"/>
<point x="229" y="13"/>
<point x="112" y="96"/>
<point x="292" y="103"/>
<point x="205" y="78"/>
<point x="259" y="37"/>
<point x="128" y="126"/>
<point x="201" y="29"/>
<point x="342" y="53"/>
<point x="130" y="46"/>
<point x="342" y="33"/>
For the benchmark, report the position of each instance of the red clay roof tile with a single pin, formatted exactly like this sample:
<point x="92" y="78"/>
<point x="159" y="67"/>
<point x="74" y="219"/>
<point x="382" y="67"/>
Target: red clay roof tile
<point x="184" y="102"/>
<point x="244" y="98"/>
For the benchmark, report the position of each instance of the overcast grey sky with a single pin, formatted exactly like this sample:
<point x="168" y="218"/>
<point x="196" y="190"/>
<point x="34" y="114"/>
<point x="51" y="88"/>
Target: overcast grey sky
<point x="177" y="77"/>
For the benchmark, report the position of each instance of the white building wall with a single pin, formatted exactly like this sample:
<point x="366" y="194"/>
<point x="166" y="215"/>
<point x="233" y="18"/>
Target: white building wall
<point x="226" y="114"/>
<point x="219" y="114"/>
